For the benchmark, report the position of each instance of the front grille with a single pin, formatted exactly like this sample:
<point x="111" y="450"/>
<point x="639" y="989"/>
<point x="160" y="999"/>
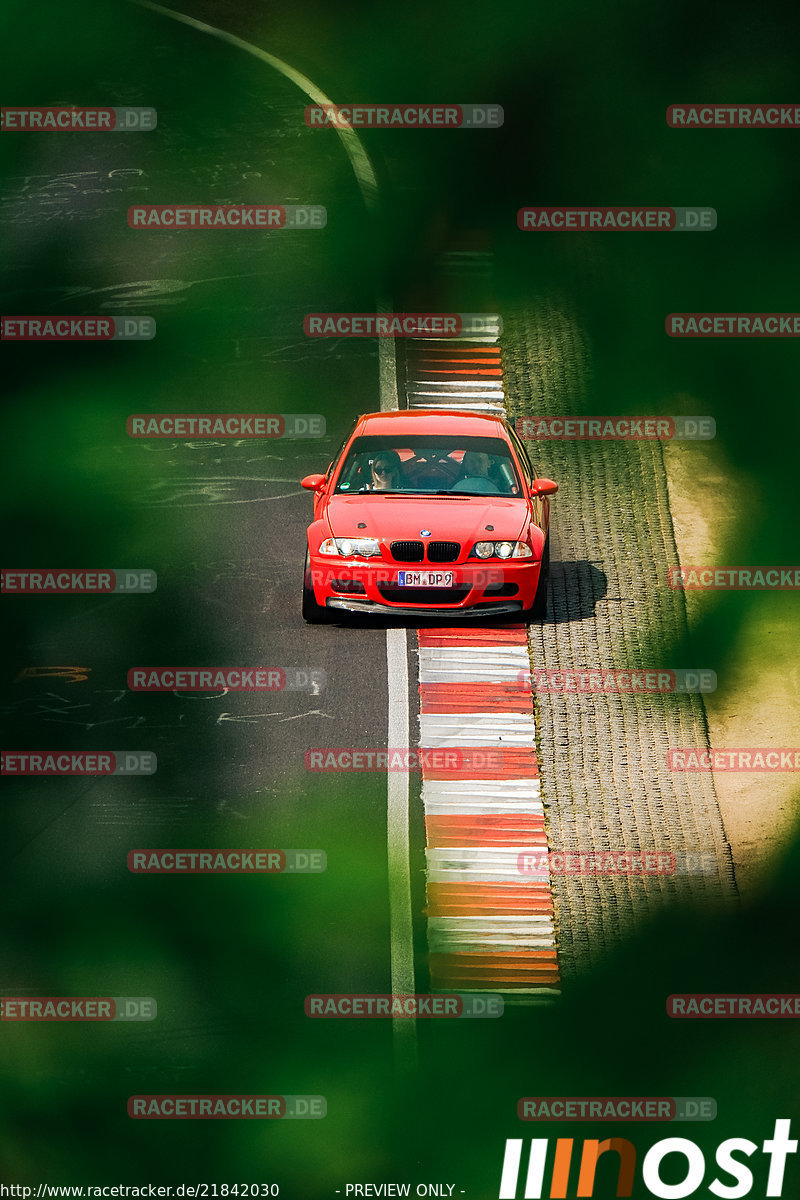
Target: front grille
<point x="434" y="596"/>
<point x="407" y="551"/>
<point x="443" y="551"/>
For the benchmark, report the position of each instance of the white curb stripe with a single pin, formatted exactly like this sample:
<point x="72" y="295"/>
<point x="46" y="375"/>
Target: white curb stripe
<point x="502" y="655"/>
<point x="442" y="944"/>
<point x="524" y="790"/>
<point x="450" y="730"/>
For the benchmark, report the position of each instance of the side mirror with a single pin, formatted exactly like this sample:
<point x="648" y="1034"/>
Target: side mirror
<point x="314" y="483"/>
<point x="543" y="487"/>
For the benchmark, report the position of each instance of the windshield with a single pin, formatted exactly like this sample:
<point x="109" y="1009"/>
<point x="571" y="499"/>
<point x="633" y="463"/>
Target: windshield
<point x="429" y="466"/>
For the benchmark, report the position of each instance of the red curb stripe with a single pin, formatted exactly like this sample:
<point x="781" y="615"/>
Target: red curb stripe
<point x="489" y="890"/>
<point x="500" y="965"/>
<point x="507" y="988"/>
<point x="447" y="354"/>
<point x="446" y="708"/>
<point x="446" y="841"/>
<point x="432" y="348"/>
<point x="486" y="639"/>
<point x="475" y="697"/>
<point x="476" y="910"/>
<point x="490" y="762"/>
<point x="482" y="910"/>
<point x="497" y="969"/>
<point x="481" y="688"/>
<point x="447" y="831"/>
<point x="473" y="373"/>
<point x="535" y="907"/>
<point x="460" y="366"/>
<point x="440" y="833"/>
<point x="450" y="974"/>
<point x="488" y="821"/>
<point x="495" y="839"/>
<point x="539" y="904"/>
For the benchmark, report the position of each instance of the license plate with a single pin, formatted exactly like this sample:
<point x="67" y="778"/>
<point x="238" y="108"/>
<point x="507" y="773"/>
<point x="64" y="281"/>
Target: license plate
<point x="422" y="579"/>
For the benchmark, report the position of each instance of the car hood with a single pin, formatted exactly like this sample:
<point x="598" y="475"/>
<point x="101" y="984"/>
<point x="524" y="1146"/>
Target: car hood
<point x="401" y="518"/>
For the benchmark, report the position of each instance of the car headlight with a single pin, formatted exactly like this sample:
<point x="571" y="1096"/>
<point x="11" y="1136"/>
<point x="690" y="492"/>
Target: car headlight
<point x="349" y="547"/>
<point x="501" y="550"/>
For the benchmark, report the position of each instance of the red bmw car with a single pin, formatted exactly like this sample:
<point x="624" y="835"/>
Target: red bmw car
<point x="430" y="513"/>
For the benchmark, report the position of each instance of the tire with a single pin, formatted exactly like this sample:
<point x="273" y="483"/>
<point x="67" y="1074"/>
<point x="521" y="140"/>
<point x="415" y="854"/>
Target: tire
<point x="313" y="613"/>
<point x="538" y="610"/>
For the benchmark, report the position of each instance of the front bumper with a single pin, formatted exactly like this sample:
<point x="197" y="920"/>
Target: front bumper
<point x="372" y="585"/>
<point x="484" y="608"/>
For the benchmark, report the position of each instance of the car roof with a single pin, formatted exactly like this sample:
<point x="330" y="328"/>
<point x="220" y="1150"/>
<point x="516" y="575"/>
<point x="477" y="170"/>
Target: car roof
<point x="431" y="420"/>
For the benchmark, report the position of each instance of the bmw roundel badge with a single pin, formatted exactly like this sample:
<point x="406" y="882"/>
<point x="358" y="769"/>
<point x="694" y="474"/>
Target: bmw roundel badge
<point x="424" y="533"/>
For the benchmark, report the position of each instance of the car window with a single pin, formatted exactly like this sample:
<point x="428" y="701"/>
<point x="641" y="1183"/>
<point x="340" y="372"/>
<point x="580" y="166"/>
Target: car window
<point x="519" y="446"/>
<point x="335" y="460"/>
<point x="430" y="465"/>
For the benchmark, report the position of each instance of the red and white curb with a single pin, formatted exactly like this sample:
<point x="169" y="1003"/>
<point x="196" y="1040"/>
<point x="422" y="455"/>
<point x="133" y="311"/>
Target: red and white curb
<point x="490" y="927"/>
<point x="464" y="372"/>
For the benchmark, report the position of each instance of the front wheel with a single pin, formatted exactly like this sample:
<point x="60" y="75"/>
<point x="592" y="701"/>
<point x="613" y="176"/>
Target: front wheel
<point x="313" y="613"/>
<point x="538" y="610"/>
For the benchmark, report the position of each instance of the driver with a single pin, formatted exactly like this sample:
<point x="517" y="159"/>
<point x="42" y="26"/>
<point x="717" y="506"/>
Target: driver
<point x="385" y="471"/>
<point x="479" y="473"/>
